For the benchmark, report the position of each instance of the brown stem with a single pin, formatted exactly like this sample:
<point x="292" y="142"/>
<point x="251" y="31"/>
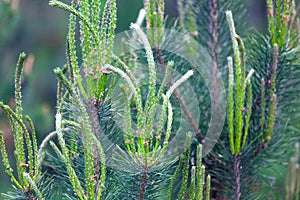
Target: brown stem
<point x="213" y="29"/>
<point x="261" y="147"/>
<point x="213" y="46"/>
<point x="71" y="70"/>
<point x="237" y="175"/>
<point x="143" y="184"/>
<point x="271" y="84"/>
<point x="93" y="108"/>
<point x="178" y="96"/>
<point x="187" y="112"/>
<point x="31" y="197"/>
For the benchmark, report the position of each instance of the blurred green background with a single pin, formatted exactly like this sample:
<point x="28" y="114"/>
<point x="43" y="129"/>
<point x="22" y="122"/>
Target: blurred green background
<point x="40" y="30"/>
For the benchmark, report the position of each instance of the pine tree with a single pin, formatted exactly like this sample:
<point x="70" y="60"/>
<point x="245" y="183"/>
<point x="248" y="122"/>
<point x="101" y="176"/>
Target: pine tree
<point x="128" y="127"/>
<point x="258" y="132"/>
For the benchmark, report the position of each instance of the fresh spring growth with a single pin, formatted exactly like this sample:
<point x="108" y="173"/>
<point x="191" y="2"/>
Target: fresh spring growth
<point x="237" y="86"/>
<point x="282" y="19"/>
<point x="147" y="151"/>
<point x="97" y="34"/>
<point x="26" y="150"/>
<point x="197" y="181"/>
<point x="240" y="101"/>
<point x="155" y="10"/>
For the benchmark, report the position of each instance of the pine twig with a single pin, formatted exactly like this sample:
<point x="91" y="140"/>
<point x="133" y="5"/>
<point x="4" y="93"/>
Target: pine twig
<point x="179" y="97"/>
<point x="143" y="185"/>
<point x="237" y="174"/>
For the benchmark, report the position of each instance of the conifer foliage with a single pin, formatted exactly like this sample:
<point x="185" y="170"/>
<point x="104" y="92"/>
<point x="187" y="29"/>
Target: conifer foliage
<point x="91" y="156"/>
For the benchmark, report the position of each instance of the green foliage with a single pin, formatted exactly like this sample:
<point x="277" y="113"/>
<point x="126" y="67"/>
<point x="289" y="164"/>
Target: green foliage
<point x="93" y="157"/>
<point x="259" y="120"/>
<point x="78" y="159"/>
<point x="97" y="37"/>
<point x="26" y="151"/>
<point x="155" y="10"/>
<point x="236" y="137"/>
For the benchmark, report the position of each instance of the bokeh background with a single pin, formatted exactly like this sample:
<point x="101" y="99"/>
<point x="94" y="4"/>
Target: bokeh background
<point x="40" y="30"/>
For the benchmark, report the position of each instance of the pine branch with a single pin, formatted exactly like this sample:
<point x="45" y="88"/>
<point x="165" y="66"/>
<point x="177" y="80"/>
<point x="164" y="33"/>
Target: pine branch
<point x="143" y="185"/>
<point x="179" y="97"/>
<point x="25" y="145"/>
<point x="213" y="42"/>
<point x="237" y="173"/>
